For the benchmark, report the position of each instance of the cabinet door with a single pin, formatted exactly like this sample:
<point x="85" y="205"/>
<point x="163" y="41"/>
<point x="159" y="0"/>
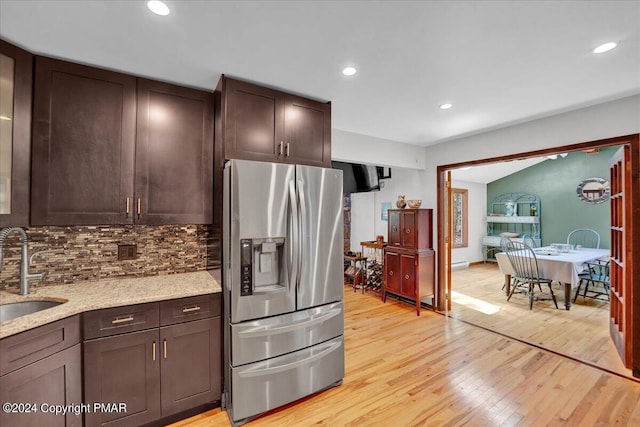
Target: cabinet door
<point x="123" y="368"/>
<point x="174" y="155"/>
<point x="394" y="228"/>
<point x="409" y="231"/>
<point x="253" y="122"/>
<point x="54" y="380"/>
<point x="16" y="68"/>
<point x="191" y="365"/>
<point x="392" y="269"/>
<point x="307" y="132"/>
<point x="83" y="145"/>
<point x="408" y="273"/>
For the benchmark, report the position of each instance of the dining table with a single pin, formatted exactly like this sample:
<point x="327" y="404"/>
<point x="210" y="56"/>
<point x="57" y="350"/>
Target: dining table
<point x="562" y="267"/>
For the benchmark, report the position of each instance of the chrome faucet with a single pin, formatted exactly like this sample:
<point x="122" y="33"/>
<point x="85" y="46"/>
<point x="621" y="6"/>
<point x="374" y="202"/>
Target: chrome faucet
<point x="25" y="261"/>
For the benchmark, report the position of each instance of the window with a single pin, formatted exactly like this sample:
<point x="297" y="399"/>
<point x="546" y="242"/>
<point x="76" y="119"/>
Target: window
<point x="460" y="208"/>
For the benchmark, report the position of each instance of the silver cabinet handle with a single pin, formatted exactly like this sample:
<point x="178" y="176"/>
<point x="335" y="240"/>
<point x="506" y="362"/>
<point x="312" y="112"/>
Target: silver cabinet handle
<point x="164" y="348"/>
<point x="390" y="272"/>
<point x="153" y="351"/>
<point x="139" y="207"/>
<point x="128" y="206"/>
<point x="287" y="149"/>
<point x="191" y="309"/>
<point x="406" y="276"/>
<point x="281" y="148"/>
<point x="407" y="230"/>
<point x="118" y="320"/>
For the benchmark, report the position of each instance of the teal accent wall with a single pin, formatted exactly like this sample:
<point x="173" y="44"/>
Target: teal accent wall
<point x="555" y="183"/>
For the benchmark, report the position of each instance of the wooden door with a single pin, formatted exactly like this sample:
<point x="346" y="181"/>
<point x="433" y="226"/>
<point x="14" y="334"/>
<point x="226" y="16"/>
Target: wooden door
<point x="83" y="145"/>
<point x="624" y="325"/>
<point x="174" y="155"/>
<point x="394" y="228"/>
<point x="409" y="229"/>
<point x="253" y="118"/>
<point x="191" y="365"/>
<point x="307" y="132"/>
<point x="408" y="273"/>
<point x="392" y="272"/>
<point x="123" y="368"/>
<point x="16" y="133"/>
<point x="448" y="240"/>
<point x="54" y="381"/>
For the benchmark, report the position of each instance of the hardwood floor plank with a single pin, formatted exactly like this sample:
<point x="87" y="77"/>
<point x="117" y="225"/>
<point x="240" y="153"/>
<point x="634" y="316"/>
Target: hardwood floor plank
<point x="404" y="370"/>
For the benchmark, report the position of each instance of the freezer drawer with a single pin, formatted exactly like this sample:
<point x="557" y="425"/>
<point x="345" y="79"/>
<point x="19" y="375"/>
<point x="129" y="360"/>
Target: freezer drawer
<point x="265" y="385"/>
<point x="265" y="338"/>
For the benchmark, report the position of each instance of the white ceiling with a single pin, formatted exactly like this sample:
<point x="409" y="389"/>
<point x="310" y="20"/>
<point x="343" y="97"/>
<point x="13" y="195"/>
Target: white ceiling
<point x="498" y="62"/>
<point x="487" y="173"/>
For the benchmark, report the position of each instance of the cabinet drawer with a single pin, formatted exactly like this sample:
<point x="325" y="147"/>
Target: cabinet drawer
<point x="27" y="347"/>
<point x="119" y="320"/>
<point x="191" y="308"/>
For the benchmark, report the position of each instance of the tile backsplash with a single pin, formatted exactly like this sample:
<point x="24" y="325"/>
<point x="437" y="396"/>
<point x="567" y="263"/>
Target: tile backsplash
<point x="90" y="253"/>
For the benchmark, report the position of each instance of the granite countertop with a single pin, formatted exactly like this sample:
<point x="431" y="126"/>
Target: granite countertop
<point x="81" y="297"/>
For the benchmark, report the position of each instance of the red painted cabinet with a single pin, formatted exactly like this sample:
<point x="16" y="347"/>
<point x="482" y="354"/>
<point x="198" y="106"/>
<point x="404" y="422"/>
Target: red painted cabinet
<point x="409" y="262"/>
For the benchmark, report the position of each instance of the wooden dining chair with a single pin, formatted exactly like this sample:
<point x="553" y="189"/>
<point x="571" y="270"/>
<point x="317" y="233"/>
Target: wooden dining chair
<point x="585" y="237"/>
<point x="597" y="273"/>
<point x="525" y="266"/>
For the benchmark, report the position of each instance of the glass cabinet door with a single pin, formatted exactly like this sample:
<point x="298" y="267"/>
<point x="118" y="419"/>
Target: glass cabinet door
<point x="7" y="71"/>
<point x="16" y="82"/>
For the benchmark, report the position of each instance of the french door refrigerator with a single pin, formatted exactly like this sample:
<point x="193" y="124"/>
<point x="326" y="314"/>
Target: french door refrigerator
<point x="282" y="284"/>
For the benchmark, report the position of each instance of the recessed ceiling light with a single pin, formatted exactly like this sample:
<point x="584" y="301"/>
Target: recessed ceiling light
<point x="445" y="106"/>
<point x="158" y="7"/>
<point x="349" y="71"/>
<point x="605" y="47"/>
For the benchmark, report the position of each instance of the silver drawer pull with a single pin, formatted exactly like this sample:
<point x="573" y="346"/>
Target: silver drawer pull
<point x="191" y="309"/>
<point x="122" y="319"/>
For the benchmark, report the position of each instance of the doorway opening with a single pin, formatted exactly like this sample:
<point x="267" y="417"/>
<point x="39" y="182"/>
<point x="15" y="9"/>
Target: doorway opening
<point x="473" y="294"/>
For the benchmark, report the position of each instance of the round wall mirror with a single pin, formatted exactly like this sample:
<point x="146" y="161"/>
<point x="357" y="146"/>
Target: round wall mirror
<point x="594" y="190"/>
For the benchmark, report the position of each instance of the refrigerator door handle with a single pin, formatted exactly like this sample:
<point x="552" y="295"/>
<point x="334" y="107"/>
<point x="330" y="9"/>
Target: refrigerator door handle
<point x="288" y="366"/>
<point x="303" y="220"/>
<point x="273" y="330"/>
<point x="293" y="278"/>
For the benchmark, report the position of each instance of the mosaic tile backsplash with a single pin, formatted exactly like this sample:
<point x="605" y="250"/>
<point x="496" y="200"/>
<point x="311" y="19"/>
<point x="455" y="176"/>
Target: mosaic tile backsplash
<point x="90" y="253"/>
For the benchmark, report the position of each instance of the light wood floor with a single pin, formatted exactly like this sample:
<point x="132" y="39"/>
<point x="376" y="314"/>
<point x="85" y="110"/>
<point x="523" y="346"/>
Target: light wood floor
<point x="432" y="370"/>
<point x="582" y="332"/>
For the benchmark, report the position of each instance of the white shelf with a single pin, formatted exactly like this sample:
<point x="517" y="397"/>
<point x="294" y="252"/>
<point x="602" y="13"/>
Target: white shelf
<point x="514" y="219"/>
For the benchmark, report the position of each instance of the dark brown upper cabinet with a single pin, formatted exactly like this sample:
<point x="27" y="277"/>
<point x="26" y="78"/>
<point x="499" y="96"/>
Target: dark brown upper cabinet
<point x="16" y="68"/>
<point x="259" y="123"/>
<point x="83" y="145"/>
<point x="174" y="154"/>
<point x="109" y="148"/>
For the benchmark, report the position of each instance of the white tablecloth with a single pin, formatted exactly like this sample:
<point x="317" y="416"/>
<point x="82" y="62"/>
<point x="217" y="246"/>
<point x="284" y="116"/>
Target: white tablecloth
<point x="563" y="267"/>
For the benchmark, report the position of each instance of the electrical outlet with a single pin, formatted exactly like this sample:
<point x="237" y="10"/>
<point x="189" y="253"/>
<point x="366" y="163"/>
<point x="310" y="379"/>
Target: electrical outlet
<point x="127" y="252"/>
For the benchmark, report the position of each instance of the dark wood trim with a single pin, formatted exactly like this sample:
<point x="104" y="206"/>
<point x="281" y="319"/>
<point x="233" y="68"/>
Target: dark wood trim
<point x="21" y="148"/>
<point x="618" y="140"/>
<point x="633" y="249"/>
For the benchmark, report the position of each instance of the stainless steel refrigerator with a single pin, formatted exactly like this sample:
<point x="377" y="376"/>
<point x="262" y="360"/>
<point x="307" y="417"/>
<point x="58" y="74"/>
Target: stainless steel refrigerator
<point x="282" y="284"/>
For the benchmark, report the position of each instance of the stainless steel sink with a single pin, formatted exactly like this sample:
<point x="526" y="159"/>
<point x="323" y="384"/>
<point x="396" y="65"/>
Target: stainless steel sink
<point x="17" y="309"/>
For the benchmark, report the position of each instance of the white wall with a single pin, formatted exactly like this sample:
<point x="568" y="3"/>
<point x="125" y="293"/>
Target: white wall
<point x="366" y="222"/>
<point x="357" y="148"/>
<point x="477" y="225"/>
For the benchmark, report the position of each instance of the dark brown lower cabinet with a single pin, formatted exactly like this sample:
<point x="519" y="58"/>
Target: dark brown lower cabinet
<point x="123" y="369"/>
<point x="158" y="371"/>
<point x="191" y="365"/>
<point x="42" y="371"/>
